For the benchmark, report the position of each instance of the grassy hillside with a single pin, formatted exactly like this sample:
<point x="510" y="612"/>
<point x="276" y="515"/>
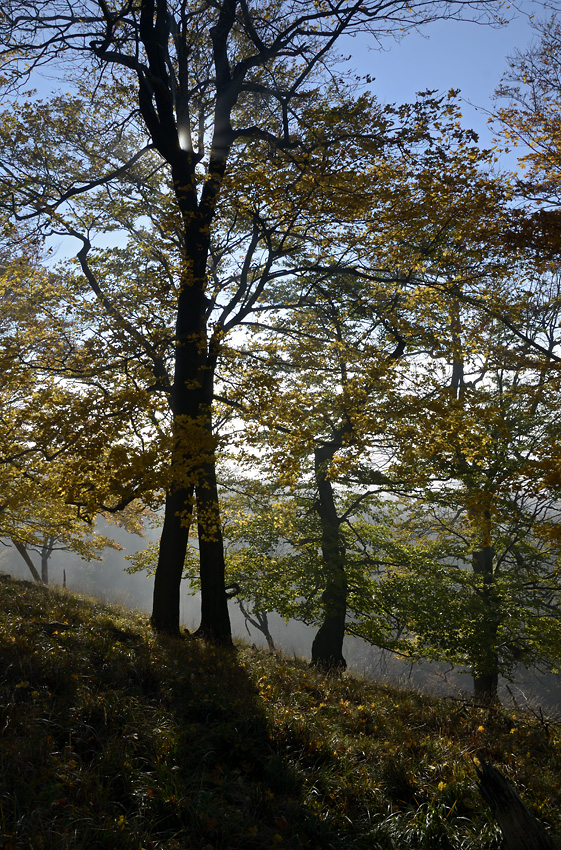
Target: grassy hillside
<point x="115" y="739"/>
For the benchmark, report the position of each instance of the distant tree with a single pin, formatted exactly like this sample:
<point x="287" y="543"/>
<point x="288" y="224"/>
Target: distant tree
<point x="529" y="115"/>
<point x="485" y="450"/>
<point x="341" y="353"/>
<point x="48" y="429"/>
<point x="461" y="563"/>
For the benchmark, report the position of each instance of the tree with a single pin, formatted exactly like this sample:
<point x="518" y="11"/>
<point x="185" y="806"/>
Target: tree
<point x="193" y="68"/>
<point x="330" y="419"/>
<point x="529" y="120"/>
<point x="532" y="87"/>
<point x="43" y="452"/>
<point x="488" y="592"/>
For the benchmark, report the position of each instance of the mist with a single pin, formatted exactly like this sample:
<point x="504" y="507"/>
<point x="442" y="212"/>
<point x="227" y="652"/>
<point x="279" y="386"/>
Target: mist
<point x="107" y="581"/>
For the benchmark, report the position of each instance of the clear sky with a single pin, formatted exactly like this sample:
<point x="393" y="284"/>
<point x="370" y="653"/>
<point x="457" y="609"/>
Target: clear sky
<point x="448" y="54"/>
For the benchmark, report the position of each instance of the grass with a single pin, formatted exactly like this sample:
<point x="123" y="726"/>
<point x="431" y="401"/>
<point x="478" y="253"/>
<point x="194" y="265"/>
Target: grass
<point x="113" y="738"/>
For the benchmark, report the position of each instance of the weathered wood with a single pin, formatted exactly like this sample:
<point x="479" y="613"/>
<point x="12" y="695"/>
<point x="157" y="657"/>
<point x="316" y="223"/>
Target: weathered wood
<point x="521" y="830"/>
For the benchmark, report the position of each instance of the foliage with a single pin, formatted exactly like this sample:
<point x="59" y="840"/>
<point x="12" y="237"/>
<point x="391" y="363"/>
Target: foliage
<point x="527" y="118"/>
<point x="361" y="249"/>
<point x="55" y="430"/>
<point x="218" y="98"/>
<point x="494" y="505"/>
<point x="531" y="92"/>
<point x="431" y="378"/>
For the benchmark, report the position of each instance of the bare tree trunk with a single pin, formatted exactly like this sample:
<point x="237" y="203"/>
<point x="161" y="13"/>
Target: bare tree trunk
<point x="215" y="618"/>
<point x="521" y="830"/>
<point x="327" y="648"/>
<point x="259" y="621"/>
<point x="190" y="349"/>
<point x="27" y="558"/>
<point x="171" y="560"/>
<point x="46" y="552"/>
<point x="485" y="665"/>
<point x="44" y="567"/>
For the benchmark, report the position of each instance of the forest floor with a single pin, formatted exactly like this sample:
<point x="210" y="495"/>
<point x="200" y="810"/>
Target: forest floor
<point x="114" y="738"/>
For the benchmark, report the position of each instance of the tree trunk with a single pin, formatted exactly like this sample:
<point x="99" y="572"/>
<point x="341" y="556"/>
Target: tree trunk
<point x="171" y="560"/>
<point x="327" y="648"/>
<point x="485" y="685"/>
<point x="192" y="391"/>
<point x="485" y="662"/>
<point x="46" y="552"/>
<point x="215" y="619"/>
<point x="27" y="558"/>
<point x="190" y="353"/>
<point x="44" y="567"/>
<point x="260" y="621"/>
<point x="521" y="830"/>
<point x="263" y="626"/>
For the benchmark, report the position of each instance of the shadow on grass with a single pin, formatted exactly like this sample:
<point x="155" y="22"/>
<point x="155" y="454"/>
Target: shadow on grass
<point x="113" y="738"/>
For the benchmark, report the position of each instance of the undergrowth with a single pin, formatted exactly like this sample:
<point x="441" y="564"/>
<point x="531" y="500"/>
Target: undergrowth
<point x="114" y="738"/>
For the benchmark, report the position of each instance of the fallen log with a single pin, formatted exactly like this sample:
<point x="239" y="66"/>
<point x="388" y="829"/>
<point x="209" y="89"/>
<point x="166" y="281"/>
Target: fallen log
<point x="520" y="829"/>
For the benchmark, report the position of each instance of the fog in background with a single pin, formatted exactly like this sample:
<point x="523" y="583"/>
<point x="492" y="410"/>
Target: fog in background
<point x="107" y="581"/>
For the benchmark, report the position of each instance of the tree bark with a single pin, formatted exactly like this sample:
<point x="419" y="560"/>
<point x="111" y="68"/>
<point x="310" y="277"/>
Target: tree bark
<point x="46" y="552"/>
<point x="327" y="647"/>
<point x="260" y="621"/>
<point x="26" y="557"/>
<point x="190" y="349"/>
<point x="191" y="405"/>
<point x="485" y="664"/>
<point x="44" y="567"/>
<point x="521" y="830"/>
<point x="171" y="559"/>
<point x="215" y="618"/>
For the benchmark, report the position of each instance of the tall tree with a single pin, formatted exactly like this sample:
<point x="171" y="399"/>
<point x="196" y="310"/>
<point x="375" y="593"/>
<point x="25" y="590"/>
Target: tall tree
<point x="339" y="359"/>
<point x="488" y="594"/>
<point x="193" y="66"/>
<point x="530" y="117"/>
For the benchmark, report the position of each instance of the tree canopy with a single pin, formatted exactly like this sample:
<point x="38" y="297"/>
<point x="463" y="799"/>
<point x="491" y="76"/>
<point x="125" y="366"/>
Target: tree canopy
<point x="271" y="266"/>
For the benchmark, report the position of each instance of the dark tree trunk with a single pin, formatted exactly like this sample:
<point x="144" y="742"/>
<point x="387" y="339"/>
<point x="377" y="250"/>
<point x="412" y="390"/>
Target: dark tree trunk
<point x="194" y="363"/>
<point x="215" y="618"/>
<point x="485" y="685"/>
<point x="521" y="830"/>
<point x="327" y="648"/>
<point x="485" y="664"/>
<point x="263" y="626"/>
<point x="194" y="462"/>
<point x="171" y="560"/>
<point x="190" y="351"/>
<point x="260" y="621"/>
<point x="27" y="558"/>
<point x="46" y="552"/>
<point x="44" y="567"/>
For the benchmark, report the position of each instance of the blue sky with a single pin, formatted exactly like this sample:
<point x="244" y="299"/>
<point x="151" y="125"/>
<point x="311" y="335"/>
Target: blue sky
<point x="448" y="54"/>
